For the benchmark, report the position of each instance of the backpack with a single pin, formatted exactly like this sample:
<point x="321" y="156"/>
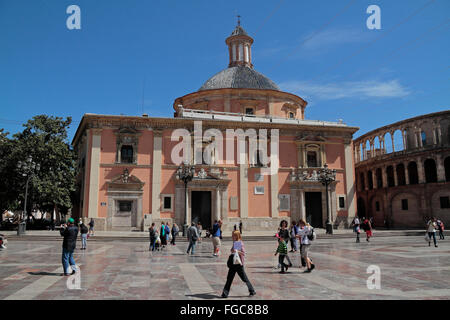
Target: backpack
<point x="312" y="235"/>
<point x="84" y="229"/>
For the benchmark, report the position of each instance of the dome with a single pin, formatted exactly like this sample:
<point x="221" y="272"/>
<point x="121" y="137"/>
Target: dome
<point x="241" y="77"/>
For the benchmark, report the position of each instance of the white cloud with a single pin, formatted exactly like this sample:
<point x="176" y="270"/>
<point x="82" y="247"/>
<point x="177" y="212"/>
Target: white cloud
<point x="349" y="89"/>
<point x="332" y="37"/>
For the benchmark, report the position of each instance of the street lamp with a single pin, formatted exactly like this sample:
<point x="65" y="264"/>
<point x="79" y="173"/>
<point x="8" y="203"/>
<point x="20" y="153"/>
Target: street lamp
<point x="27" y="168"/>
<point x="327" y="176"/>
<point x="185" y="173"/>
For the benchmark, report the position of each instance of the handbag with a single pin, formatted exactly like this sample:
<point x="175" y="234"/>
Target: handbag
<point x="427" y="237"/>
<point x="236" y="258"/>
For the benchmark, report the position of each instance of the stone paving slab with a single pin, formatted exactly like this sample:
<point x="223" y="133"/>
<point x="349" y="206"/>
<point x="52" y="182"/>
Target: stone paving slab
<point x="410" y="269"/>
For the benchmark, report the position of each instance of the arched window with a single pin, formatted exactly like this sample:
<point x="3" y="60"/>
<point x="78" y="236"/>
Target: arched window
<point x="291" y="115"/>
<point x="430" y="171"/>
<point x="362" y="182"/>
<point x="379" y="178"/>
<point x="413" y="174"/>
<point x="311" y="157"/>
<point x="370" y="179"/>
<point x="390" y="176"/>
<point x="447" y="168"/>
<point x="401" y="174"/>
<point x="126" y="154"/>
<point x="423" y="136"/>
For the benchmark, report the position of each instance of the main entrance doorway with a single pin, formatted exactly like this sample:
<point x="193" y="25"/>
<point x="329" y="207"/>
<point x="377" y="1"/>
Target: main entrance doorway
<point x="201" y="208"/>
<point x="313" y="204"/>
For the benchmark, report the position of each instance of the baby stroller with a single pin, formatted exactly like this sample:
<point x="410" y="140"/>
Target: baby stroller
<point x="3" y="241"/>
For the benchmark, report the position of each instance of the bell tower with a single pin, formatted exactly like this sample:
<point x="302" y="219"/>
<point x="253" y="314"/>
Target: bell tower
<point x="240" y="47"/>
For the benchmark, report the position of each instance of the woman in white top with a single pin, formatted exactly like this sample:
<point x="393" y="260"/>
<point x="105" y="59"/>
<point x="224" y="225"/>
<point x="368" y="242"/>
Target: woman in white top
<point x="305" y="230"/>
<point x="431" y="229"/>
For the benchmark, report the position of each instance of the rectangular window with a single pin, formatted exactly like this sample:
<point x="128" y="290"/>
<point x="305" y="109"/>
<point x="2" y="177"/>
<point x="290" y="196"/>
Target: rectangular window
<point x="259" y="190"/>
<point x="124" y="206"/>
<point x="445" y="202"/>
<point x="249" y="111"/>
<point x="341" y="203"/>
<point x="167" y="202"/>
<point x="377" y="206"/>
<point x="405" y="204"/>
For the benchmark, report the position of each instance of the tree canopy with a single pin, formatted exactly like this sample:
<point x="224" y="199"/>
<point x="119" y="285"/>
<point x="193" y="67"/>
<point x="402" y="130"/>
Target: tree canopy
<point x="44" y="138"/>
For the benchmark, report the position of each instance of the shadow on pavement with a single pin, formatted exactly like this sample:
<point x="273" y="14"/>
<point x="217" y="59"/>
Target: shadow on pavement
<point x="43" y="273"/>
<point x="204" y="296"/>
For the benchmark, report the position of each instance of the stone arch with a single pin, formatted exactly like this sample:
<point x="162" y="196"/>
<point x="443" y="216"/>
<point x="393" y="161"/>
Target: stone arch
<point x="423" y="137"/>
<point x="390" y="176"/>
<point x="377" y="146"/>
<point x="361" y="207"/>
<point x="430" y="170"/>
<point x="388" y="142"/>
<point x="413" y="173"/>
<point x="367" y="154"/>
<point x="398" y="141"/>
<point x="447" y="169"/>
<point x="377" y="210"/>
<point x="401" y="176"/>
<point x="362" y="182"/>
<point x="379" y="177"/>
<point x="370" y="179"/>
<point x="405" y="210"/>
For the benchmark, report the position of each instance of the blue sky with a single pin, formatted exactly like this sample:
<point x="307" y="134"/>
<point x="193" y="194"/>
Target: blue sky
<point x="320" y="50"/>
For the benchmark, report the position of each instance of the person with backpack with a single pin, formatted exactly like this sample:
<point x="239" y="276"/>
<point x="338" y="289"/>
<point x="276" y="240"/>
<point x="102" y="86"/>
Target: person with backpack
<point x="192" y="237"/>
<point x="83" y="232"/>
<point x="152" y="231"/>
<point x="306" y="234"/>
<point x="356" y="228"/>
<point x="440" y="226"/>
<point x="168" y="234"/>
<point x="236" y="265"/>
<point x="163" y="235"/>
<point x="174" y="231"/>
<point x="70" y="233"/>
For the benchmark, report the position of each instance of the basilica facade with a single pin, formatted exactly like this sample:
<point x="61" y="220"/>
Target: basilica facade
<point x="128" y="176"/>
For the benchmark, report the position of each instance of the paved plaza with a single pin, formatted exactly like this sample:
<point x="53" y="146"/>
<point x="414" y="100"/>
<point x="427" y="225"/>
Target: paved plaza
<point x="409" y="269"/>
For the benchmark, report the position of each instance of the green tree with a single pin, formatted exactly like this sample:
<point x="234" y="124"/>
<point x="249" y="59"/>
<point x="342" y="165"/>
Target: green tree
<point x="45" y="140"/>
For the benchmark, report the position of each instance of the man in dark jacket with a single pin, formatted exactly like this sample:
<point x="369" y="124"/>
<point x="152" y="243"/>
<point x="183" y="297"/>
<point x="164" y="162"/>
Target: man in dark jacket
<point x="69" y="232"/>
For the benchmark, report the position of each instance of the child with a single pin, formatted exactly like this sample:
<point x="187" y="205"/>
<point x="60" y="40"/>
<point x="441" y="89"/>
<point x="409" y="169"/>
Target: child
<point x="282" y="250"/>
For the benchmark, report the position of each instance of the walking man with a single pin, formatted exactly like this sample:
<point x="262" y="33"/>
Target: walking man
<point x="356" y="227"/>
<point x="192" y="237"/>
<point x="217" y="233"/>
<point x="440" y="226"/>
<point x="69" y="232"/>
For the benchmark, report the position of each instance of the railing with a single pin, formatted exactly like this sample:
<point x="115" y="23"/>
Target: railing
<point x="230" y="116"/>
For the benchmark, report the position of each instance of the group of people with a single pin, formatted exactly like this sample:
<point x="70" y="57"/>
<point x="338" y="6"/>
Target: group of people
<point x="366" y="225"/>
<point x="159" y="239"/>
<point x="299" y="234"/>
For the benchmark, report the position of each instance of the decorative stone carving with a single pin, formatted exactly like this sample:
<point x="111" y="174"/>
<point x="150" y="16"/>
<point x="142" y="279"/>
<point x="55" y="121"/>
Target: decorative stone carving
<point x="125" y="176"/>
<point x="202" y="174"/>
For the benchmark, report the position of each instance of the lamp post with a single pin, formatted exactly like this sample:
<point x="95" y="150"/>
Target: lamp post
<point x="185" y="173"/>
<point x="27" y="168"/>
<point x="327" y="176"/>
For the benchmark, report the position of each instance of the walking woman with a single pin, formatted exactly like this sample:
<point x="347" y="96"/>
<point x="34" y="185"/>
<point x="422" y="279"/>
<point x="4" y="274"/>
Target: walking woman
<point x="304" y="232"/>
<point x="431" y="229"/>
<point x="284" y="234"/>
<point x="238" y="246"/>
<point x="367" y="226"/>
<point x="293" y="231"/>
<point x="356" y="227"/>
